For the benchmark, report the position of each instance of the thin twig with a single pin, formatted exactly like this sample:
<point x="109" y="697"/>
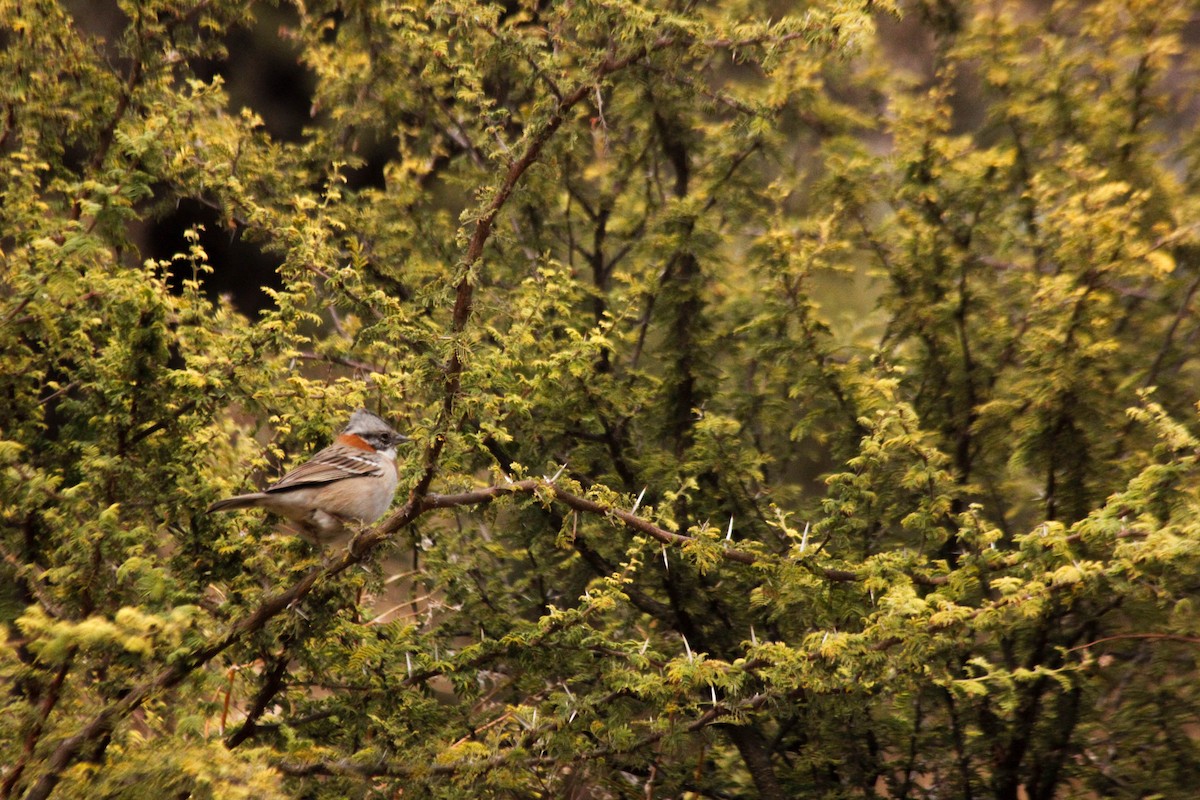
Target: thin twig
<point x="1163" y="637"/>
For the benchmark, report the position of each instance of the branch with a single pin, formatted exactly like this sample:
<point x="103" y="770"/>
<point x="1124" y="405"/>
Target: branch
<point x="49" y="701"/>
<point x="629" y="520"/>
<point x="533" y="485"/>
<point x="361" y="366"/>
<point x="1162" y="637"/>
<point x="464" y="292"/>
<point x="272" y="683"/>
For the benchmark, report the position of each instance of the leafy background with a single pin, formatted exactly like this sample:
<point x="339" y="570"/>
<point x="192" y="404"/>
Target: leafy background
<point x="802" y="394"/>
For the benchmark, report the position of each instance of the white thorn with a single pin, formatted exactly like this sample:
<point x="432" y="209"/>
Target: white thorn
<point x="713" y="691"/>
<point x="729" y="533"/>
<point x="753" y="637"/>
<point x="572" y="717"/>
<point x="666" y="564"/>
<point x="825" y="638"/>
<point x="638" y="502"/>
<point x="645" y="644"/>
<point x="687" y="646"/>
<point x="408" y="661"/>
<point x="558" y="474"/>
<point x="534" y="724"/>
<point x="804" y="538"/>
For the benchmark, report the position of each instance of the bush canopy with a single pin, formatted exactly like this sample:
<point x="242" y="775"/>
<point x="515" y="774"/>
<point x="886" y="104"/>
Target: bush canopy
<point x="802" y="398"/>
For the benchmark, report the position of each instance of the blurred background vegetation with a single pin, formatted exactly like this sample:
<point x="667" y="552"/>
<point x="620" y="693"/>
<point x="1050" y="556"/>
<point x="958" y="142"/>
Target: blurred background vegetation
<point x="803" y="398"/>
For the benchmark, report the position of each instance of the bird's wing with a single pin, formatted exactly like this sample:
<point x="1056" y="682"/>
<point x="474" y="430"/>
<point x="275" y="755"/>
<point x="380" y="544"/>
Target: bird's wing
<point x="331" y="464"/>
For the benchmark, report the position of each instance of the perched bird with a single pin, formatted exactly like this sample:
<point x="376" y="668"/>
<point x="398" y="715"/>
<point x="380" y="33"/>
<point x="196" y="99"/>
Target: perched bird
<point x="350" y="482"/>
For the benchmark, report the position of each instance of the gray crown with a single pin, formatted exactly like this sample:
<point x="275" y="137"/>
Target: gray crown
<point x="363" y="421"/>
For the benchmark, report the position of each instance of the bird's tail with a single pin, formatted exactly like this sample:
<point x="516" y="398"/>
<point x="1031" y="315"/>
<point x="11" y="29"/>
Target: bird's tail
<point x="241" y="501"/>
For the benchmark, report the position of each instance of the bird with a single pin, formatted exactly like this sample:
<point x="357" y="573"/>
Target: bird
<point x="350" y="482"/>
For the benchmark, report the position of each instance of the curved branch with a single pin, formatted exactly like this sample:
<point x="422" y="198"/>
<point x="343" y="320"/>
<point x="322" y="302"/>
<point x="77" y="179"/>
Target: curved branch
<point x="464" y="292"/>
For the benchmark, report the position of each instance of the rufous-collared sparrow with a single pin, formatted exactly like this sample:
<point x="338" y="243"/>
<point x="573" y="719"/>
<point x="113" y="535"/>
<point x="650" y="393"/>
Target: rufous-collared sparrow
<point x="350" y="482"/>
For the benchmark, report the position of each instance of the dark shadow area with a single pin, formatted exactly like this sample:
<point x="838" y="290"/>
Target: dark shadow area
<point x="261" y="72"/>
<point x="240" y="268"/>
<point x="102" y="19"/>
<point x="375" y="152"/>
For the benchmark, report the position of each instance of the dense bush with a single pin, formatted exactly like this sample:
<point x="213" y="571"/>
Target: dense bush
<point x="802" y="399"/>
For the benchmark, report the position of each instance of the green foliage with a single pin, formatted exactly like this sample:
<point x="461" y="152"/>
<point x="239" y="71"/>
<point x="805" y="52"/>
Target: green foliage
<point x="803" y="401"/>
